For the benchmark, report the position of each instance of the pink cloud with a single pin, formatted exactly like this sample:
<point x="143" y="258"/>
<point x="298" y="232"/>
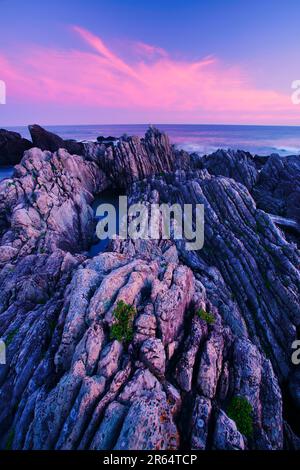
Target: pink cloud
<point x="180" y="90"/>
<point x="148" y="51"/>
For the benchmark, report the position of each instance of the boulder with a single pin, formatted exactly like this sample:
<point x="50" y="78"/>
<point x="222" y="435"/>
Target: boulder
<point x="46" y="140"/>
<point x="12" y="147"/>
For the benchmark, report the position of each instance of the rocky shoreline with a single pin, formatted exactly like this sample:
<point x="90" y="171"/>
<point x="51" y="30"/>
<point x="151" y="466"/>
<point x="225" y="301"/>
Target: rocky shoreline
<point x="207" y="364"/>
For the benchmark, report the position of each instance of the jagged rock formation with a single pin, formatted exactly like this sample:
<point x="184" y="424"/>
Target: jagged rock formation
<point x="123" y="159"/>
<point x="46" y="205"/>
<point x="46" y="140"/>
<point x="134" y="158"/>
<point x="209" y="326"/>
<point x="238" y="165"/>
<point x="248" y="255"/>
<point x="277" y="190"/>
<point x="260" y="161"/>
<point x="12" y="147"/>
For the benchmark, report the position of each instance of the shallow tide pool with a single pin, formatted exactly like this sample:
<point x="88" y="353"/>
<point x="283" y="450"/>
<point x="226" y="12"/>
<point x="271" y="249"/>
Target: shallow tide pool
<point x="6" y="172"/>
<point x="106" y="197"/>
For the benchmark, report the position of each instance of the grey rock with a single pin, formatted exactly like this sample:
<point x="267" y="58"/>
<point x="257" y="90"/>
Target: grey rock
<point x="67" y="384"/>
<point x="110" y="427"/>
<point x="277" y="190"/>
<point x="200" y="422"/>
<point x="294" y="387"/>
<point x="148" y="425"/>
<point x="238" y="165"/>
<point x="226" y="435"/>
<point x="210" y="365"/>
<point x="153" y="355"/>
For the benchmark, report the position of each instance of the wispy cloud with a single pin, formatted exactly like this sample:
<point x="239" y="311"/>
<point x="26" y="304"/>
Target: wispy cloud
<point x="180" y="90"/>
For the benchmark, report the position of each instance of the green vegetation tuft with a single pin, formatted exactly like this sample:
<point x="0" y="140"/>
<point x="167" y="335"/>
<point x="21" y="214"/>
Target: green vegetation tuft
<point x="52" y="326"/>
<point x="10" y="439"/>
<point x="240" y="410"/>
<point x="122" y="329"/>
<point x="207" y="317"/>
<point x="11" y="336"/>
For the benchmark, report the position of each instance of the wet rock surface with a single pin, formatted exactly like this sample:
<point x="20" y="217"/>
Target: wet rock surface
<point x="69" y="383"/>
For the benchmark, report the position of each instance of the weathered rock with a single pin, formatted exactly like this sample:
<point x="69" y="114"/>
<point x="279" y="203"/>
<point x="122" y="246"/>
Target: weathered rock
<point x="109" y="359"/>
<point x="109" y="430"/>
<point x="294" y="387"/>
<point x="46" y="205"/>
<point x="185" y="366"/>
<point x="277" y="190"/>
<point x="210" y="365"/>
<point x="200" y="421"/>
<point x="46" y="140"/>
<point x="153" y="355"/>
<point x="12" y="147"/>
<point x="226" y="435"/>
<point x="249" y="270"/>
<point x="171" y="303"/>
<point x="133" y="158"/>
<point x="235" y="164"/>
<point x="148" y="425"/>
<point x="145" y="324"/>
<point x="67" y="383"/>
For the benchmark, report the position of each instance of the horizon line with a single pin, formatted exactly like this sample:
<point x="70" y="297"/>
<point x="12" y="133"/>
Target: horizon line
<point x="150" y="124"/>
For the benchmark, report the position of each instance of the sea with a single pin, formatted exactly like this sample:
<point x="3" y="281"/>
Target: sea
<point x="200" y="138"/>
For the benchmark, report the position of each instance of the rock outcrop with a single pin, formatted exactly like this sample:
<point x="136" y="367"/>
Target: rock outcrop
<point x="46" y="140"/>
<point x="133" y="158"/>
<point x="46" y="205"/>
<point x="211" y="328"/>
<point x="244" y="252"/>
<point x="277" y="190"/>
<point x="12" y="147"/>
<point x="238" y="165"/>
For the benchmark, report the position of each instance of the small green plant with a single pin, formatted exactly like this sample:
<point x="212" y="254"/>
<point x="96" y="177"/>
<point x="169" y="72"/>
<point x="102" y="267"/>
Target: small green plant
<point x="207" y="317"/>
<point x="52" y="326"/>
<point x="240" y="410"/>
<point x="122" y="329"/>
<point x="11" y="336"/>
<point x="10" y="439"/>
<point x="267" y="282"/>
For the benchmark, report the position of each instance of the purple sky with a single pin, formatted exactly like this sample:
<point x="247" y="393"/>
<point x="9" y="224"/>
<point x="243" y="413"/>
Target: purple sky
<point x="129" y="61"/>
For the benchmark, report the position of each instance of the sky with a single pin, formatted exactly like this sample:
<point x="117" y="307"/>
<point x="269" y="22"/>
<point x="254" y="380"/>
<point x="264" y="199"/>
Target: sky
<point x="158" y="61"/>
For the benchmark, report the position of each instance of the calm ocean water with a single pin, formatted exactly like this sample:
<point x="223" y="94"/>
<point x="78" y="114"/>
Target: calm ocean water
<point x="261" y="140"/>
